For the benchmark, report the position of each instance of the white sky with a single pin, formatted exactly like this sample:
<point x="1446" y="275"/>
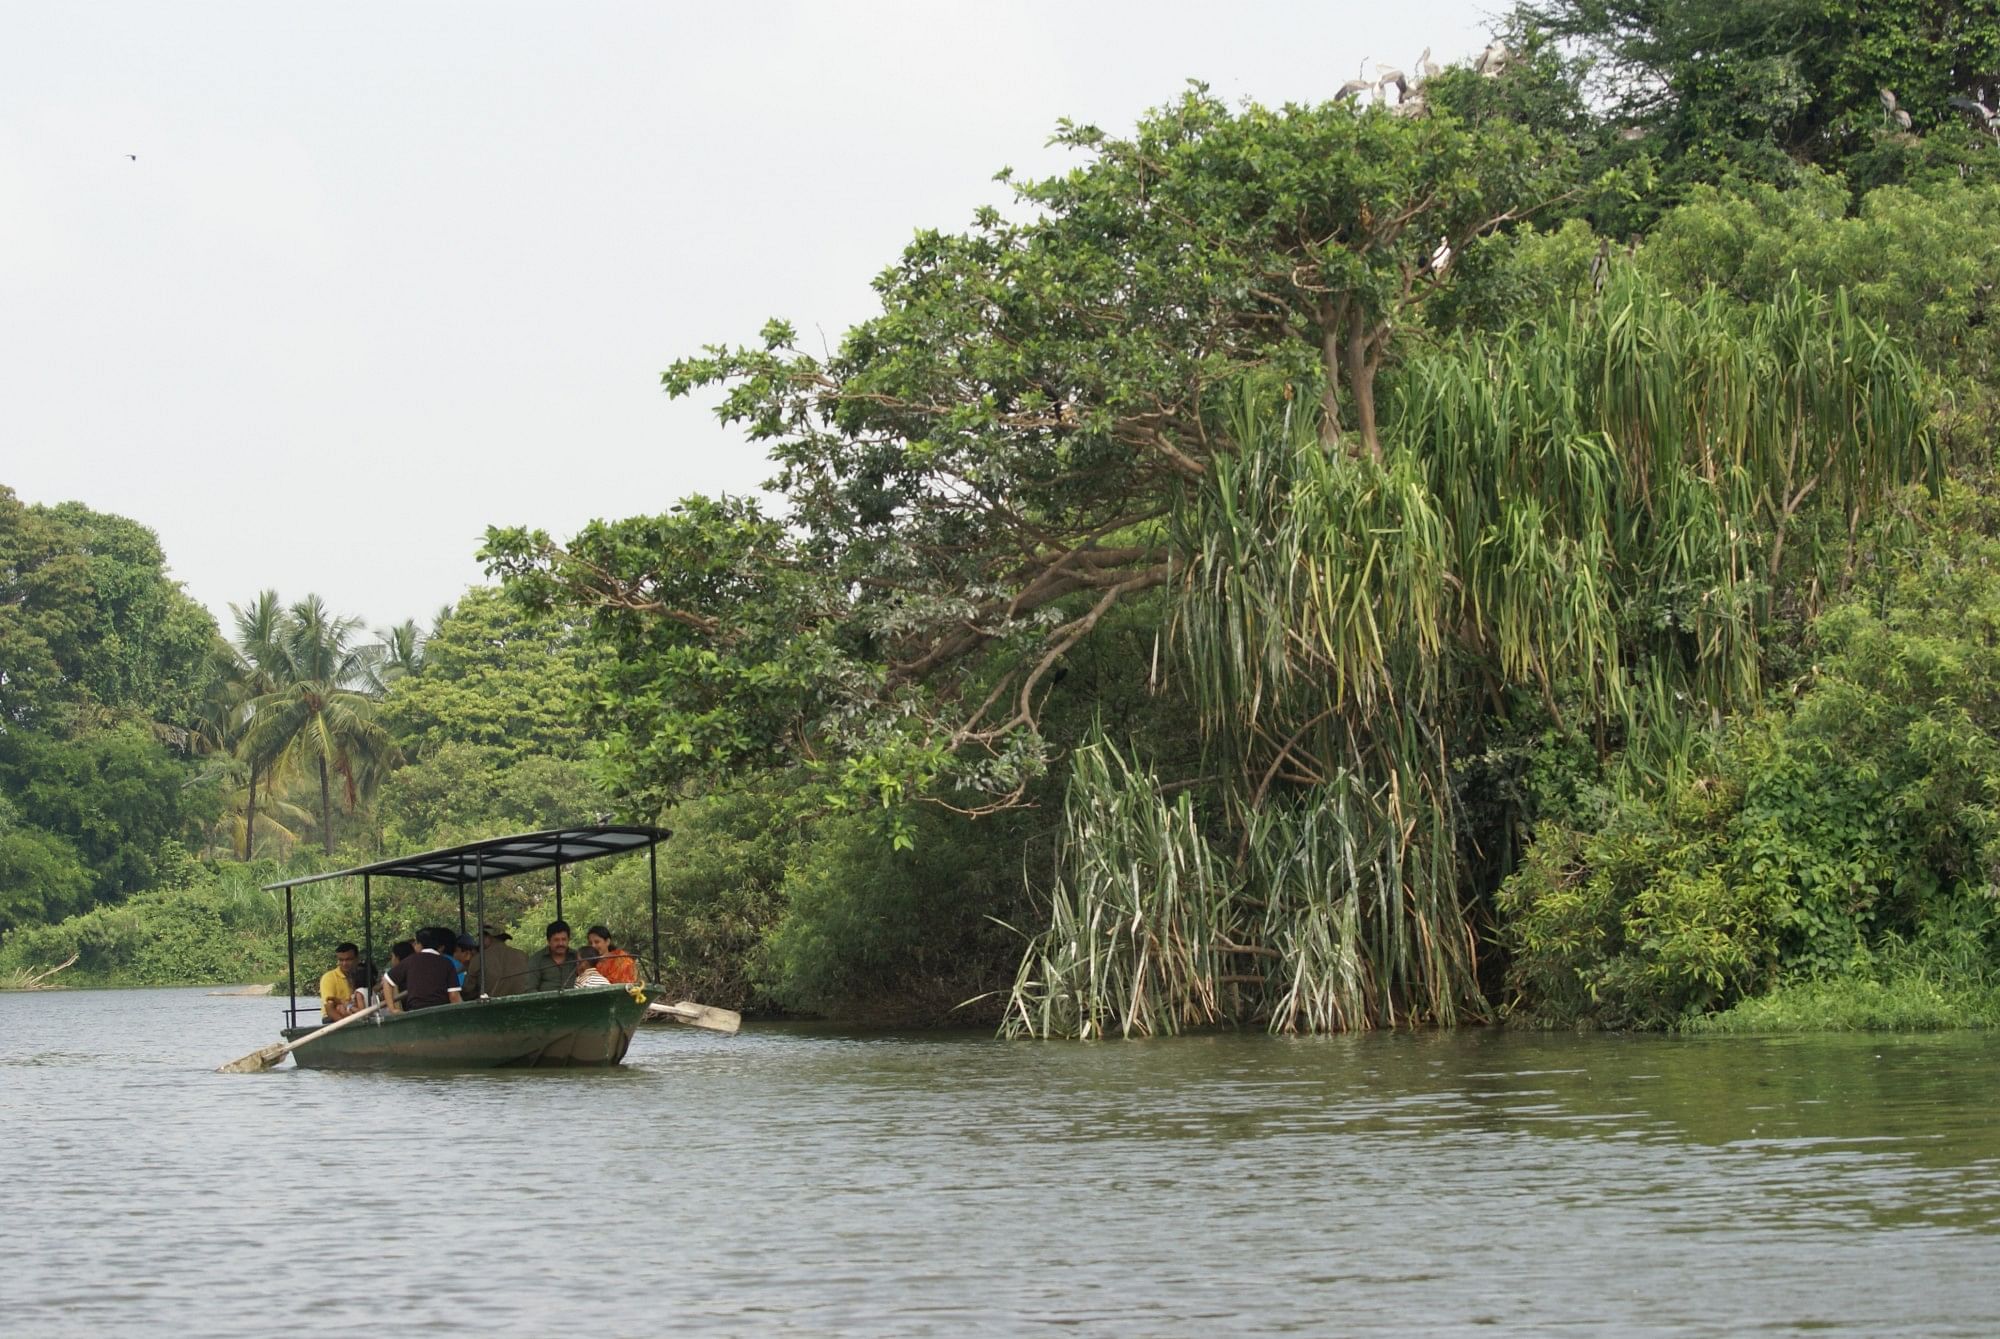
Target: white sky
<point x="384" y="274"/>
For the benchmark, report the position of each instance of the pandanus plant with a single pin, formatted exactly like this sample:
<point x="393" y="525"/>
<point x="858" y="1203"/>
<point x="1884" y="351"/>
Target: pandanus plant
<point x="1612" y="501"/>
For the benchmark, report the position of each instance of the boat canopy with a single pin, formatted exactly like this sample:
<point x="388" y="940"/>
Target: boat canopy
<point x="498" y="857"/>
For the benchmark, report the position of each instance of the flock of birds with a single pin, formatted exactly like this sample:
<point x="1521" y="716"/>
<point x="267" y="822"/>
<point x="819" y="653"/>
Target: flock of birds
<point x="1494" y="60"/>
<point x="1985" y="117"/>
<point x="1409" y="91"/>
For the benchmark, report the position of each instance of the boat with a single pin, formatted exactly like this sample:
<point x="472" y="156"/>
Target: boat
<point x="584" y="1025"/>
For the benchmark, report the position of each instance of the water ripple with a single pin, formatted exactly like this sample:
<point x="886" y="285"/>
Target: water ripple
<point x="806" y="1181"/>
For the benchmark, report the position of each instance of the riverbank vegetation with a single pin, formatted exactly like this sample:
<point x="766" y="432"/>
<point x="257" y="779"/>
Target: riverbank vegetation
<point x="1481" y="548"/>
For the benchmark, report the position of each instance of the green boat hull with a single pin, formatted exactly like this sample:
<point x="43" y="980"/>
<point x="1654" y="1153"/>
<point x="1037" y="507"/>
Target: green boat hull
<point x="589" y="1027"/>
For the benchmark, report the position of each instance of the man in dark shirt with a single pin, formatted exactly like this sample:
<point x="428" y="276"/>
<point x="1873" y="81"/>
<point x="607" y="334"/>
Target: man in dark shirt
<point x="427" y="978"/>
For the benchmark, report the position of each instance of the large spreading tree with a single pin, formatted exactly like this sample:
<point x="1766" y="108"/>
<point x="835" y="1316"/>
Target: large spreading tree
<point x="977" y="477"/>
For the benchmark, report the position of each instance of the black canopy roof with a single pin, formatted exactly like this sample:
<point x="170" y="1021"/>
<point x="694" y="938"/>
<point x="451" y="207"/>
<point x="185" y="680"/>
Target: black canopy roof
<point x="498" y="857"/>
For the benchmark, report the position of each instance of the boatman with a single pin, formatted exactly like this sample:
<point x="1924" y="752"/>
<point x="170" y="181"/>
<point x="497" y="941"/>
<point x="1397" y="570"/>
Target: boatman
<point x="336" y="987"/>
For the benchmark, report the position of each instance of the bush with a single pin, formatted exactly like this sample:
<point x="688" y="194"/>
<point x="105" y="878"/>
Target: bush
<point x="1858" y="818"/>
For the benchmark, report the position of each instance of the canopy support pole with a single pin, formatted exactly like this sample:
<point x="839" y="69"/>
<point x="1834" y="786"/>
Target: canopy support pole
<point x="479" y="869"/>
<point x="461" y="904"/>
<point x="291" y="960"/>
<point x="653" y="880"/>
<point x="368" y="940"/>
<point x="558" y="880"/>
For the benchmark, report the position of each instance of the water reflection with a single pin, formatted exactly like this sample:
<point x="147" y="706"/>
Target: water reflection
<point x="802" y="1180"/>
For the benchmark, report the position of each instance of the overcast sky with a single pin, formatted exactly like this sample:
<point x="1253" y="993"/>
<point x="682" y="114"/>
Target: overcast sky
<point x="384" y="274"/>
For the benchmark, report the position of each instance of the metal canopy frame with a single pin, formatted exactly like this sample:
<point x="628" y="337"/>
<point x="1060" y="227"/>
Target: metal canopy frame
<point x="475" y="862"/>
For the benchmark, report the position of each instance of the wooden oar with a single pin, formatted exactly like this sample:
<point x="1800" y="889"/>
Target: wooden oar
<point x="697" y="1015"/>
<point x="260" y="1060"/>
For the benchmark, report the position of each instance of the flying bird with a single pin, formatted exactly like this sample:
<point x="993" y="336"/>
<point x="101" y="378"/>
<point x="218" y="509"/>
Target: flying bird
<point x="1976" y="107"/>
<point x="133" y="156"/>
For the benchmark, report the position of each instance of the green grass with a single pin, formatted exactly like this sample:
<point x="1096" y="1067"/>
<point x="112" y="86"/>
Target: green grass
<point x="1911" y="998"/>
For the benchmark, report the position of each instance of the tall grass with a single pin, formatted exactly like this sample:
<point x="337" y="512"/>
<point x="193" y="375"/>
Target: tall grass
<point x="1606" y="505"/>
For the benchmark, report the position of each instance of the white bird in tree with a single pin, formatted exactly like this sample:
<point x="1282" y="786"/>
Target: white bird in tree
<point x="1426" y="67"/>
<point x="1358" y="85"/>
<point x="1492" y="60"/>
<point x="1386" y="75"/>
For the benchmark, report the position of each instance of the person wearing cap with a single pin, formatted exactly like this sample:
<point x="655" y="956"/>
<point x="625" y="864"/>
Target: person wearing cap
<point x="428" y="977"/>
<point x="503" y="969"/>
<point x="336" y="987"/>
<point x="553" y="966"/>
<point x="614" y="964"/>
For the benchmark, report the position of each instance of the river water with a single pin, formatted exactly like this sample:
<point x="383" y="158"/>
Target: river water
<point x="804" y="1181"/>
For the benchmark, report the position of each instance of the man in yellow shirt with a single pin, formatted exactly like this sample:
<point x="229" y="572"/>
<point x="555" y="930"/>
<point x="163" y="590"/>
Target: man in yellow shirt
<point x="336" y="988"/>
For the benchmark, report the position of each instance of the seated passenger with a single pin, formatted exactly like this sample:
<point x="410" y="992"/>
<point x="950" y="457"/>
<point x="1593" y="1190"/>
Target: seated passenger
<point x="614" y="964"/>
<point x="427" y="978"/>
<point x="398" y="951"/>
<point x="503" y="969"/>
<point x="465" y="950"/>
<point x="336" y="986"/>
<point x="553" y="966"/>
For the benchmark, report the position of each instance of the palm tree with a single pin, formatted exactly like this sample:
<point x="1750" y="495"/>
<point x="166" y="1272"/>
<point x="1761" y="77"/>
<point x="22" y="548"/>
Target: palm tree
<point x="399" y="652"/>
<point x="319" y="712"/>
<point x="253" y="672"/>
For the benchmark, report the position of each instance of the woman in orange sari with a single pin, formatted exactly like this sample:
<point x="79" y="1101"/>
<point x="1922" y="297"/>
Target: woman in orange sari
<point x="614" y="964"/>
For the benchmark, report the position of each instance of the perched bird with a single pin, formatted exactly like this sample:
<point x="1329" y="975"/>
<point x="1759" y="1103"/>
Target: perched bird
<point x="1386" y="75"/>
<point x="1426" y="67"/>
<point x="1630" y="133"/>
<point x="1888" y="101"/>
<point x="1902" y="118"/>
<point x="1492" y="60"/>
<point x="1442" y="256"/>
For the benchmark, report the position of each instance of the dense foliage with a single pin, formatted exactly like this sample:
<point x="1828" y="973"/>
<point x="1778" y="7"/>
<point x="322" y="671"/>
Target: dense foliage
<point x="1513" y="541"/>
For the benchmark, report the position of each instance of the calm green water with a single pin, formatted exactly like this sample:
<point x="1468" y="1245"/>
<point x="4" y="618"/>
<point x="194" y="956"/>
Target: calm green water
<point x="798" y="1181"/>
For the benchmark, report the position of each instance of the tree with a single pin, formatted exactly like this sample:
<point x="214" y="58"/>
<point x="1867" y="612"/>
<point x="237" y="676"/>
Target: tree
<point x="114" y="795"/>
<point x="977" y="477"/>
<point x="1754" y="88"/>
<point x="399" y="652"/>
<point x="317" y="713"/>
<point x="90" y="621"/>
<point x="490" y="674"/>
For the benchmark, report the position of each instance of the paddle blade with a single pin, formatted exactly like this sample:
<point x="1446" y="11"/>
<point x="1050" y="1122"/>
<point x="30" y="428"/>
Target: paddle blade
<point x="257" y="1061"/>
<point x="698" y="1015"/>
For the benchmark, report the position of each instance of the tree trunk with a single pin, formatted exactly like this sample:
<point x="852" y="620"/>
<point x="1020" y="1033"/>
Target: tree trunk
<point x="1329" y="358"/>
<point x="1361" y="382"/>
<point x="250" y="819"/>
<point x="325" y="809"/>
